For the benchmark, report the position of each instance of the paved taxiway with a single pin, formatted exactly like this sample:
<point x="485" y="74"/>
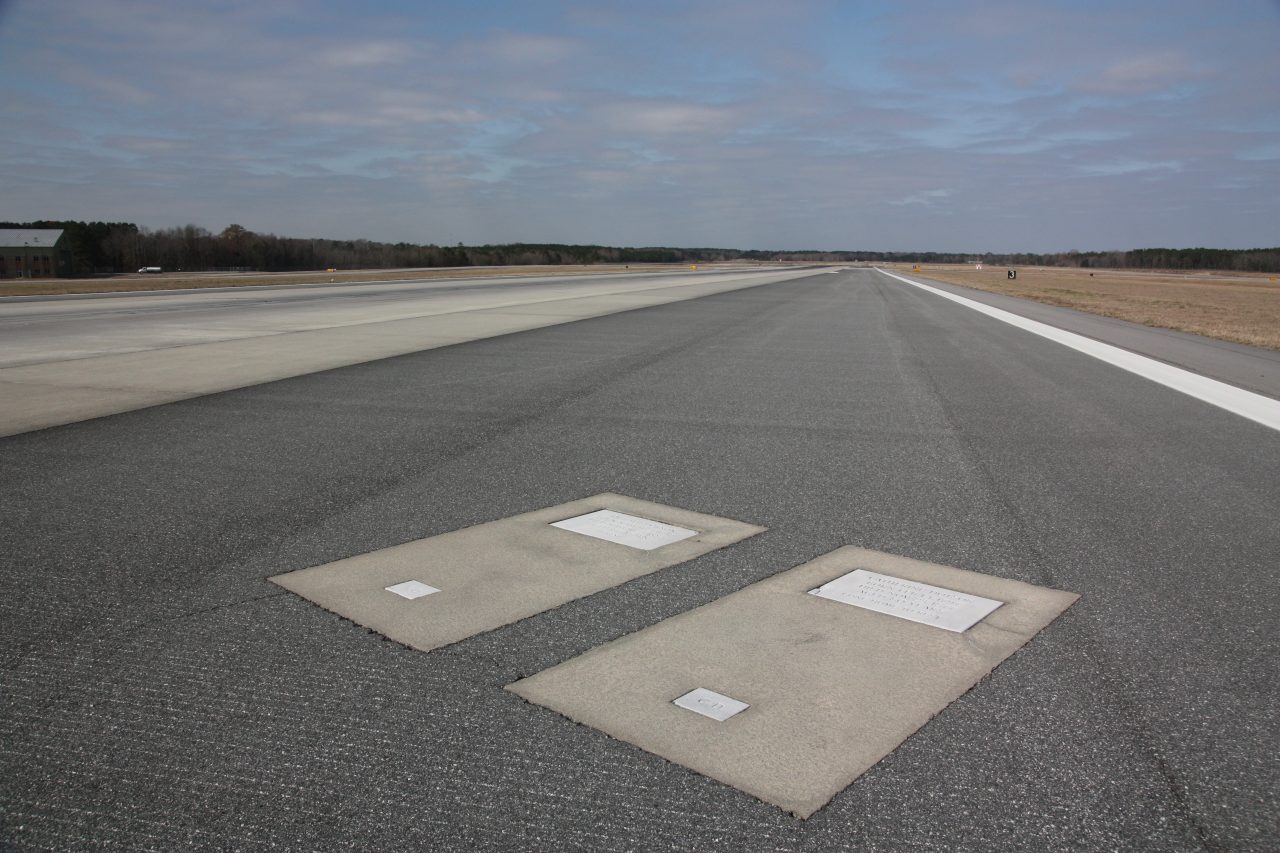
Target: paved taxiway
<point x="158" y="691"/>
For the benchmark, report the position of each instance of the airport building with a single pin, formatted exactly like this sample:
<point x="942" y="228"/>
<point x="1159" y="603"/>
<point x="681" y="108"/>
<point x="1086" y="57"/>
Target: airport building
<point x="33" y="253"/>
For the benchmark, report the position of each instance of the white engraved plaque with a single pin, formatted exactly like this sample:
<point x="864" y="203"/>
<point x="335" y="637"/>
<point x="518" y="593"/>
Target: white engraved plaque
<point x="624" y="529"/>
<point x="411" y="589"/>
<point x="919" y="602"/>
<point x="711" y="704"/>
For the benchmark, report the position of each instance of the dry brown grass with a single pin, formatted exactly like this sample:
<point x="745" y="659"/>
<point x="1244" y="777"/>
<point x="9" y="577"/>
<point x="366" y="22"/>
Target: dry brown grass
<point x="191" y="281"/>
<point x="1239" y="307"/>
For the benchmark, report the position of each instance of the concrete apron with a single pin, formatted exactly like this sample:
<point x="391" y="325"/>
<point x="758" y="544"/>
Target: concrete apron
<point x="496" y="573"/>
<point x="831" y="688"/>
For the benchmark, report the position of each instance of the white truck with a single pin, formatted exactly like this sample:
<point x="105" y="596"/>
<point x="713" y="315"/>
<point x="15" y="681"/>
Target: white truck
<point x="149" y="269"/>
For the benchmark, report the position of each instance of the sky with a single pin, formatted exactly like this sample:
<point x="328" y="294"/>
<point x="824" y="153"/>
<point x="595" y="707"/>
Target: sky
<point x="786" y="124"/>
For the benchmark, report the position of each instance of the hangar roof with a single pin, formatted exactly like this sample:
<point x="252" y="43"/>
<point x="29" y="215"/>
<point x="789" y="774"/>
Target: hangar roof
<point x="15" y="238"/>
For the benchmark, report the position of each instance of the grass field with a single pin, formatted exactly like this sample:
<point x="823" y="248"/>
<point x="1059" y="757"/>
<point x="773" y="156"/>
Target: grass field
<point x="1239" y="307"/>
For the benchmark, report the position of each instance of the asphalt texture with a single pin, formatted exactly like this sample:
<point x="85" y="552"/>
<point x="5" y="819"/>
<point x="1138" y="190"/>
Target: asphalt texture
<point x="38" y="329"/>
<point x="157" y="692"/>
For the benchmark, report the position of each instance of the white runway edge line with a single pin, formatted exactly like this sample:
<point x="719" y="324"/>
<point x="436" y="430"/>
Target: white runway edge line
<point x="1246" y="404"/>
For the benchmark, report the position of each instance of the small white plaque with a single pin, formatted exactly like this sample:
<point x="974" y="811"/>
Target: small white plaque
<point x="711" y="704"/>
<point x="919" y="602"/>
<point x="623" y="529"/>
<point x="411" y="589"/>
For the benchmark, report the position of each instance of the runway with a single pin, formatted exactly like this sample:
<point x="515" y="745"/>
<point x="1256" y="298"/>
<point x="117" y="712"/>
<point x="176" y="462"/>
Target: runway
<point x="157" y="690"/>
<point x="69" y="358"/>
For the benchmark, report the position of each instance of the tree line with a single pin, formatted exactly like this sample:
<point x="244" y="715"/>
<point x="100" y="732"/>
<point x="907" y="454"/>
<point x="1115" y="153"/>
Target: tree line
<point x="96" y="248"/>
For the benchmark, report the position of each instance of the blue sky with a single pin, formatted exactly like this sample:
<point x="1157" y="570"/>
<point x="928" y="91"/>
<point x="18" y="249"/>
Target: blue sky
<point x="950" y="126"/>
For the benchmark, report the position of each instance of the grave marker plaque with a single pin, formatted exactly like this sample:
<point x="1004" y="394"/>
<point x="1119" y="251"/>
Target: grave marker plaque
<point x="919" y="602"/>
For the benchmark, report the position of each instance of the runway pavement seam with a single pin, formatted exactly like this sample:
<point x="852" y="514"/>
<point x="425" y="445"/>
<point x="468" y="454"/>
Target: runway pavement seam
<point x="1142" y="729"/>
<point x="976" y="462"/>
<point x="990" y="483"/>
<point x="583" y="389"/>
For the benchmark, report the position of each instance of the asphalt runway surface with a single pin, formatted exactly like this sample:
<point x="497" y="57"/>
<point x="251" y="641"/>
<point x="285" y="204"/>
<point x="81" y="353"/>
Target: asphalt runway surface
<point x="156" y="691"/>
<point x="36" y="329"/>
<point x="68" y="359"/>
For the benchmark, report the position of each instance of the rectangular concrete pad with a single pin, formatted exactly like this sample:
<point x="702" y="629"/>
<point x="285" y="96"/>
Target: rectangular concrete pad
<point x="496" y="573"/>
<point x="832" y="689"/>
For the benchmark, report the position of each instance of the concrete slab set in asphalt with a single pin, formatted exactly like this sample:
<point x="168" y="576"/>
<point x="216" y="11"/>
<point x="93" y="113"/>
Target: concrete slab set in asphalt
<point x="492" y="574"/>
<point x="831" y="688"/>
<point x="157" y="690"/>
<point x="834" y="689"/>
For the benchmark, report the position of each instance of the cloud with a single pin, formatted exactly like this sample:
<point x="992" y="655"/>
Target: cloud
<point x="526" y="49"/>
<point x="738" y="122"/>
<point x="1127" y="167"/>
<point x="145" y="144"/>
<point x="1144" y="74"/>
<point x="114" y="88"/>
<point x="667" y="117"/>
<point x="373" y="52"/>
<point x="928" y="198"/>
<point x="390" y="109"/>
<point x="1260" y="153"/>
